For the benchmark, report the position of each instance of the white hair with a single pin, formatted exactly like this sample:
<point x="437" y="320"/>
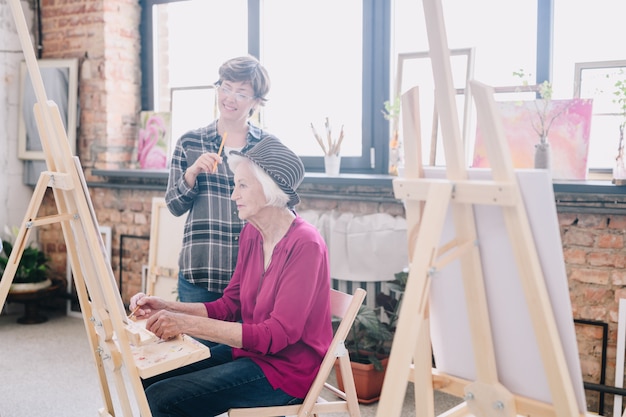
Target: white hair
<point x="273" y="194"/>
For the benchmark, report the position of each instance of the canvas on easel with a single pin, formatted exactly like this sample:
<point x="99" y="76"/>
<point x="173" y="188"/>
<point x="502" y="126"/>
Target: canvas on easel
<point x="72" y="304"/>
<point x="520" y="367"/>
<point x="482" y="288"/>
<point x="109" y="330"/>
<point x="166" y="238"/>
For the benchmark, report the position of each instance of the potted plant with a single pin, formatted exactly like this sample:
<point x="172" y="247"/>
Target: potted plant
<point x="545" y="116"/>
<point x="619" y="172"/>
<point x="369" y="341"/>
<point x="32" y="271"/>
<point x="391" y="113"/>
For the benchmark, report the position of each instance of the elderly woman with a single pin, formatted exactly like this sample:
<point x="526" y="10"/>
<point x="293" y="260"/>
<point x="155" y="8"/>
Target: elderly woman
<point x="273" y="323"/>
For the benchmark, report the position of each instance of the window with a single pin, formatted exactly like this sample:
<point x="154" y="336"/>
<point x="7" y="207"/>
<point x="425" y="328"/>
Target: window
<point x="329" y="58"/>
<point x="188" y="44"/>
<point x="317" y="76"/>
<point x="596" y="80"/>
<point x="501" y="46"/>
<point x="318" y="54"/>
<point x="591" y="32"/>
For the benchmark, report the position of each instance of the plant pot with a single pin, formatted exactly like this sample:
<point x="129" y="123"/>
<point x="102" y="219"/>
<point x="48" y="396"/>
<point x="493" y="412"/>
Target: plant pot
<point x="29" y="286"/>
<point x="30" y="294"/>
<point x="332" y="163"/>
<point x="543" y="155"/>
<point x="367" y="380"/>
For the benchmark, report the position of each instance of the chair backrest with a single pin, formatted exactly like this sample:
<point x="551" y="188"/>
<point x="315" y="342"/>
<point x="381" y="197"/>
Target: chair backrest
<point x="345" y="307"/>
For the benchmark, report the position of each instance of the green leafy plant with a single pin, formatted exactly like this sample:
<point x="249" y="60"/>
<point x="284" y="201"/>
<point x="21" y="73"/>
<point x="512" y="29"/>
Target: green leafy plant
<point x="391" y="305"/>
<point x="33" y="266"/>
<point x="367" y="338"/>
<point x="391" y="110"/>
<point x="620" y="100"/>
<point x="372" y="333"/>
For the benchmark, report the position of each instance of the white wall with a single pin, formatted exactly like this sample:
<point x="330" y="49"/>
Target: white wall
<point x="14" y="196"/>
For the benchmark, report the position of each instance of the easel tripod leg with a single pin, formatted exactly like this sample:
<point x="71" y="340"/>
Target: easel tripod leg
<point x="413" y="312"/>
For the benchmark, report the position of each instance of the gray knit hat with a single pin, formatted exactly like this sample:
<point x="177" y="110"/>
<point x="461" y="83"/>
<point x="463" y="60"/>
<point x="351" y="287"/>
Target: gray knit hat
<point x="280" y="163"/>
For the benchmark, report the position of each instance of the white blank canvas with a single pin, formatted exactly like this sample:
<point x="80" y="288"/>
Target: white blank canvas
<point x="520" y="367"/>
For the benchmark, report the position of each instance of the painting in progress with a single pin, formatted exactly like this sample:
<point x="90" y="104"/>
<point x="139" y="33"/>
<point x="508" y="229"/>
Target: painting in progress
<point x="568" y="135"/>
<point x="154" y="356"/>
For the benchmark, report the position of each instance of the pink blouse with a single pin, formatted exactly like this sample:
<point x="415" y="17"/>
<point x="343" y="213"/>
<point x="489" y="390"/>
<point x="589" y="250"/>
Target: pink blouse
<point x="285" y="310"/>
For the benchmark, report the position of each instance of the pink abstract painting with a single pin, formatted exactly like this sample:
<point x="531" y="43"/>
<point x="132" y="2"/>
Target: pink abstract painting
<point x="568" y="136"/>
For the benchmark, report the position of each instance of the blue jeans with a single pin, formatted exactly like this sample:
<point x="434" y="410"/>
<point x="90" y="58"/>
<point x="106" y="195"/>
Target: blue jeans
<point x="191" y="293"/>
<point x="211" y="387"/>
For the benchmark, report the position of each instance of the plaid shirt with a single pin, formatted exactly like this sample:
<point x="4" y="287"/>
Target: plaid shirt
<point x="211" y="235"/>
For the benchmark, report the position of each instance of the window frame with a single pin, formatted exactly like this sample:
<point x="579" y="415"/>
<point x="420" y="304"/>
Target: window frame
<point x="377" y="87"/>
<point x="579" y="68"/>
<point x="375" y="84"/>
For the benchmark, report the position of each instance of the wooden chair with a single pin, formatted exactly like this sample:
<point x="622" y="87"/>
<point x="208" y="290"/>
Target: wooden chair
<point x="345" y="307"/>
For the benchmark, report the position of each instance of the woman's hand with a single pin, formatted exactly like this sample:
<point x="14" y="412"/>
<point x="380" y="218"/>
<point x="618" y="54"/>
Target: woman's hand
<point x="207" y="162"/>
<point x="144" y="306"/>
<point x="166" y="325"/>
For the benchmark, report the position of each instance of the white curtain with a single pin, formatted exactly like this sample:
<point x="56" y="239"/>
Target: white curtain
<point x="370" y="247"/>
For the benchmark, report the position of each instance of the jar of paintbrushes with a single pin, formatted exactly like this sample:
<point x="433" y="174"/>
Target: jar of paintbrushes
<point x="331" y="148"/>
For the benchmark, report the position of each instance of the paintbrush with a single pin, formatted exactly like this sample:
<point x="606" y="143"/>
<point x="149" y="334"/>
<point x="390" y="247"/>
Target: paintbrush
<point x="337" y="146"/>
<point x="318" y="138"/>
<point x="328" y="136"/>
<point x="219" y="151"/>
<point x="136" y="309"/>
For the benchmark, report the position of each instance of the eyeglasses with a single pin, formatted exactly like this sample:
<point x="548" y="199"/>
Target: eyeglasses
<point x="240" y="98"/>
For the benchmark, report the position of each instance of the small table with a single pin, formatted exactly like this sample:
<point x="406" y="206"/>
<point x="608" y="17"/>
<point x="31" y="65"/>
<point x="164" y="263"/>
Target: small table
<point x="31" y="300"/>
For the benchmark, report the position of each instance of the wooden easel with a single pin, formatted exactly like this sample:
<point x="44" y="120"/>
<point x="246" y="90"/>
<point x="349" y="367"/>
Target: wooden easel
<point x="109" y="331"/>
<point x="165" y="228"/>
<point x="427" y="204"/>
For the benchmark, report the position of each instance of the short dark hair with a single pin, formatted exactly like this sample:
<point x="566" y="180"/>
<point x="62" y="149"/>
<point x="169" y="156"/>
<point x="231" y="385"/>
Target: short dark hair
<point x="247" y="69"/>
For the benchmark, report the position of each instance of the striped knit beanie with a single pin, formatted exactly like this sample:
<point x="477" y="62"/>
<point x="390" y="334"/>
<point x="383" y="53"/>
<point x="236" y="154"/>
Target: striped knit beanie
<point x="280" y="163"/>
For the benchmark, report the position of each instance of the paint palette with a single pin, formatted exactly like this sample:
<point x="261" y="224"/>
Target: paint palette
<point x="154" y="356"/>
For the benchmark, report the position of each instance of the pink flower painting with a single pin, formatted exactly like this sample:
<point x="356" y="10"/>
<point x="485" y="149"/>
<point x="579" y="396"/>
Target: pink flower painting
<point x="154" y="139"/>
<point x="568" y="136"/>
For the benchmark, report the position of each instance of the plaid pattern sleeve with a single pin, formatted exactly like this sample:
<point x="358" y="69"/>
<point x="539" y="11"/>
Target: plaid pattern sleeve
<point x="211" y="234"/>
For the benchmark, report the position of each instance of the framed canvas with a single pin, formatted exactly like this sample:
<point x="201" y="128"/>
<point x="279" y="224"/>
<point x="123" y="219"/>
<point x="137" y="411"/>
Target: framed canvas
<point x="60" y="79"/>
<point x="568" y="136"/>
<point x="154" y="140"/>
<point x="73" y="306"/>
<point x="191" y="108"/>
<point x="166" y="238"/>
<point x="414" y="68"/>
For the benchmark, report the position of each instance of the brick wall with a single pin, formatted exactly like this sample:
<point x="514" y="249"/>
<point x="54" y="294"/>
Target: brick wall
<point x="104" y="35"/>
<point x="595" y="259"/>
